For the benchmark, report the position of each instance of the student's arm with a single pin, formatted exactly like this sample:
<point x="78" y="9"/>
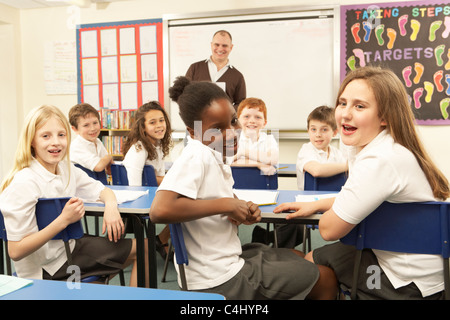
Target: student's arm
<point x="170" y="207"/>
<point x="112" y="221"/>
<point x="304" y="209"/>
<point x="317" y="169"/>
<point x="331" y="227"/>
<point x="103" y="163"/>
<point x="73" y="211"/>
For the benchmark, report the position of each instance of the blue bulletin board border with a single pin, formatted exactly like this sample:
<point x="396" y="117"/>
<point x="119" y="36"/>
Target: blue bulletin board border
<point x="413" y="39"/>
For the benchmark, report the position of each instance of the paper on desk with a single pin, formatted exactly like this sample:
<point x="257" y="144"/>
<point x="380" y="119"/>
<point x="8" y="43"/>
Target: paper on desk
<point x="124" y="195"/>
<point x="10" y="284"/>
<point x="260" y="197"/>
<point x="314" y="197"/>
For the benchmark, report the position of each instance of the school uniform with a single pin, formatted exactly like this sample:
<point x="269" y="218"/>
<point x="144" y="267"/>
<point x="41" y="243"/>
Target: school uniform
<point x="86" y="153"/>
<point x="18" y="202"/>
<point x="217" y="262"/>
<point x="308" y="152"/>
<point x="385" y="171"/>
<point x="136" y="158"/>
<point x="260" y="149"/>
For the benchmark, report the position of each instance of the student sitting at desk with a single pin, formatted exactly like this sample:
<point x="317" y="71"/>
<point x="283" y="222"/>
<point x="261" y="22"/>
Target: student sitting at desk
<point x="318" y="157"/>
<point x="198" y="192"/>
<point x="148" y="143"/>
<point x="42" y="169"/>
<point x="375" y="119"/>
<point x="256" y="148"/>
<point x="87" y="149"/>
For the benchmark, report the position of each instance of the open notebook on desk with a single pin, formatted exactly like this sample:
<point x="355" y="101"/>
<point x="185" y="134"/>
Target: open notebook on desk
<point x="10" y="284"/>
<point x="260" y="197"/>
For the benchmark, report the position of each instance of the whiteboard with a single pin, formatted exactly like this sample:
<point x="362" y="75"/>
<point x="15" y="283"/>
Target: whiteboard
<point x="287" y="59"/>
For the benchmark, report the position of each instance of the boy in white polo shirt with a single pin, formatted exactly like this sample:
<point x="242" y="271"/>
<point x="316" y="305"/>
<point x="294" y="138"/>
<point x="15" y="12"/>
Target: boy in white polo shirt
<point x="318" y="157"/>
<point x="86" y="149"/>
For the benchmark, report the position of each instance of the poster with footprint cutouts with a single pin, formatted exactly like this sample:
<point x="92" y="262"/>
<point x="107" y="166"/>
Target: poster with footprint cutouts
<point x="412" y="38"/>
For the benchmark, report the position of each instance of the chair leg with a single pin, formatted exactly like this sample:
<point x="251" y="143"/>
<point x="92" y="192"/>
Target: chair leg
<point x="166" y="262"/>
<point x="183" y="277"/>
<point x="354" y="288"/>
<point x="446" y="279"/>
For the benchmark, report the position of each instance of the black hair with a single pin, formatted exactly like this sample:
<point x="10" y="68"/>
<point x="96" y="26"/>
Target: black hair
<point x="194" y="97"/>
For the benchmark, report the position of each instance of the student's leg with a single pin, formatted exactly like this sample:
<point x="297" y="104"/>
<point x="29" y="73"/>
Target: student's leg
<point x="132" y="259"/>
<point x="326" y="286"/>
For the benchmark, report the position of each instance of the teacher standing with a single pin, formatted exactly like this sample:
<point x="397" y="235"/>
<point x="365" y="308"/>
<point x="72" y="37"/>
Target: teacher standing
<point x="218" y="69"/>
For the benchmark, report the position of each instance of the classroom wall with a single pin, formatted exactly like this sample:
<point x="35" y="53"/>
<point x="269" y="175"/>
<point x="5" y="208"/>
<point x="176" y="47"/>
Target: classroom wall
<point x="27" y="31"/>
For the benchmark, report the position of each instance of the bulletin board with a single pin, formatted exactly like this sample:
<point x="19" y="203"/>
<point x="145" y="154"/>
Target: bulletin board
<point x="287" y="56"/>
<point x="412" y="39"/>
<point x="120" y="64"/>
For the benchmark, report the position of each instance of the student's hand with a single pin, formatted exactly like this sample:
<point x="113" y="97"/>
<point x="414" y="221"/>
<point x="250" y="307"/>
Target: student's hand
<point x="300" y="209"/>
<point x="239" y="211"/>
<point x="112" y="223"/>
<point x="73" y="211"/>
<point x="254" y="214"/>
<point x="267" y="169"/>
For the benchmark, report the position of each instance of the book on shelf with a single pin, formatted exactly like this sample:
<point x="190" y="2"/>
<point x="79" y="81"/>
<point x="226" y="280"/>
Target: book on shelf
<point x="117" y="119"/>
<point x="113" y="144"/>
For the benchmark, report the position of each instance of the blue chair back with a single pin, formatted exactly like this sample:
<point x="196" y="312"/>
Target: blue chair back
<point x="253" y="178"/>
<point x="333" y="183"/>
<point x="100" y="176"/>
<point x="48" y="210"/>
<point x="120" y="177"/>
<point x="421" y="228"/>
<point x="176" y="234"/>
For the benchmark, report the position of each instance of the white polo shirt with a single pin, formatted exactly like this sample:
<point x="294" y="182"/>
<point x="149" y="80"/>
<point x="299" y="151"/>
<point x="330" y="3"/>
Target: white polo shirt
<point x="386" y="171"/>
<point x="308" y="152"/>
<point x="212" y="243"/>
<point x="136" y="158"/>
<point x="17" y="204"/>
<point x="264" y="150"/>
<point x="86" y="153"/>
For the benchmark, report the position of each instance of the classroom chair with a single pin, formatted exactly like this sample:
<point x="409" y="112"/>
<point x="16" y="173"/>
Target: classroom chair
<point x="100" y="176"/>
<point x="333" y="183"/>
<point x="47" y="210"/>
<point x="120" y="177"/>
<point x="253" y="178"/>
<point x="177" y="243"/>
<point x="420" y="227"/>
<point x="4" y="258"/>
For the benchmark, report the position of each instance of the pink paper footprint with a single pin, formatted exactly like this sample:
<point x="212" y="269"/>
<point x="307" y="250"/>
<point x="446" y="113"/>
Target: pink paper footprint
<point x="447" y="27"/>
<point x="406" y="74"/>
<point x="360" y="55"/>
<point x="401" y="24"/>
<point x="416" y="96"/>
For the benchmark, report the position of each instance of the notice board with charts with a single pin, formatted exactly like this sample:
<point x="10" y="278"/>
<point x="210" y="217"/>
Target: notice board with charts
<point x="412" y="39"/>
<point x="120" y="64"/>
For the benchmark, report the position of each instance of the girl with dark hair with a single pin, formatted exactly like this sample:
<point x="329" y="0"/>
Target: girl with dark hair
<point x="198" y="193"/>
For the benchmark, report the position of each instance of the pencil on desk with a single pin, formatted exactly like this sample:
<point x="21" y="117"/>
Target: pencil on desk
<point x="282" y="168"/>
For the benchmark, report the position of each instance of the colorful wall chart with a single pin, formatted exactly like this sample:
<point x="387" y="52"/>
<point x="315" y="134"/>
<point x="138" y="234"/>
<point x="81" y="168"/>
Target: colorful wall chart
<point x="412" y="39"/>
<point x="120" y="64"/>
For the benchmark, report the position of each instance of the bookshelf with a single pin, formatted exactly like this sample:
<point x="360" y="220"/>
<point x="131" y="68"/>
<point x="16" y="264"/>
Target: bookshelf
<point x="115" y="127"/>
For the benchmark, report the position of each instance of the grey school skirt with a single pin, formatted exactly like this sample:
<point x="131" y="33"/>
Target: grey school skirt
<point x="269" y="273"/>
<point x="95" y="256"/>
<point x="341" y="257"/>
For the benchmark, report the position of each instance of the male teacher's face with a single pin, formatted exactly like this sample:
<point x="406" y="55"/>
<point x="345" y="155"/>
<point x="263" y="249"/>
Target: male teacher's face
<point x="221" y="47"/>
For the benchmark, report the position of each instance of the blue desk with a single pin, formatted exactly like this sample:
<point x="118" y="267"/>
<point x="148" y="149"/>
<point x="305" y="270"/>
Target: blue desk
<point x="288" y="170"/>
<point x="59" y="290"/>
<point x="137" y="211"/>
<point x="267" y="214"/>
